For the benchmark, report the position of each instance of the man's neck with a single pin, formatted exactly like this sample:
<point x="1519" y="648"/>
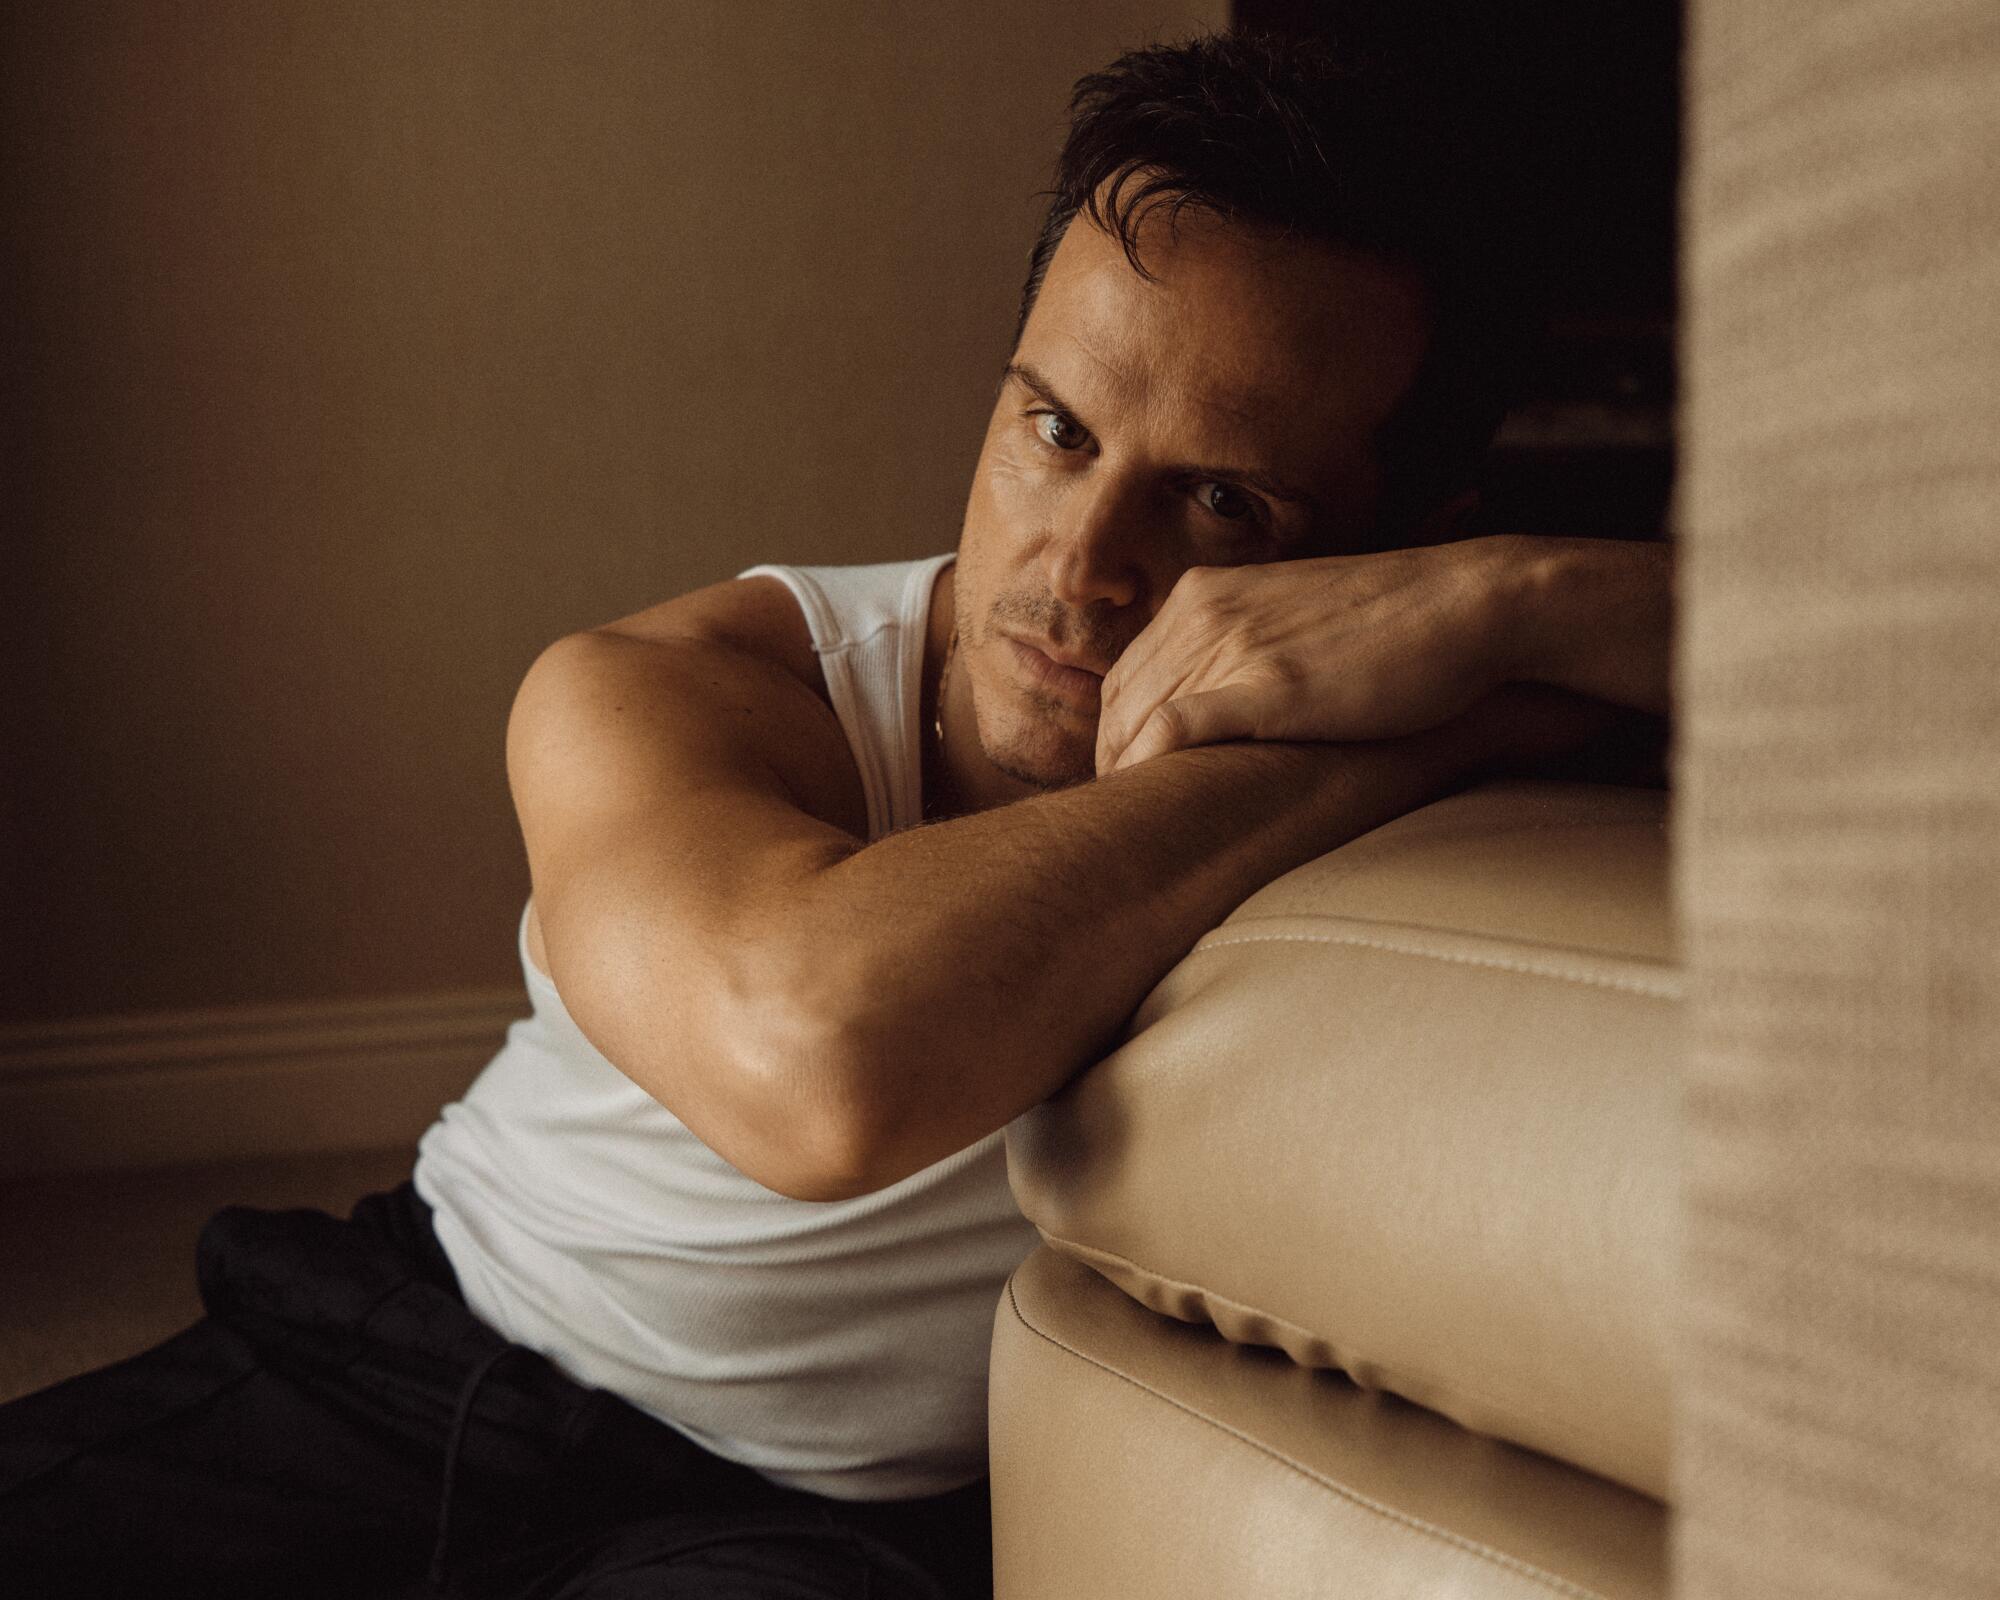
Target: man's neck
<point x="958" y="779"/>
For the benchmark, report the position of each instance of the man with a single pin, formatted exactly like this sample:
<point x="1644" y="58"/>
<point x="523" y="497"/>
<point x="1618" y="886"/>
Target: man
<point x="836" y="871"/>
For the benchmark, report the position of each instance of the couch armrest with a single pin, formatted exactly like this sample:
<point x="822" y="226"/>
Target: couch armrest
<point x="1410" y="1112"/>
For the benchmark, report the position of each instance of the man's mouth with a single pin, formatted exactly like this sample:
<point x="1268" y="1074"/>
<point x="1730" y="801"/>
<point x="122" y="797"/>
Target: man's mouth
<point x="1075" y="684"/>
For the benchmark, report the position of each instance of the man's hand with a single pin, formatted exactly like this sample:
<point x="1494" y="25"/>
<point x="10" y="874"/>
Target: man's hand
<point x="1345" y="648"/>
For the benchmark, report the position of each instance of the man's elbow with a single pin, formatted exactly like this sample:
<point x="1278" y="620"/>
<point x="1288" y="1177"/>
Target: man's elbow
<point x="805" y="1130"/>
<point x="854" y="1131"/>
<point x="903" y="1099"/>
<point x="822" y="1046"/>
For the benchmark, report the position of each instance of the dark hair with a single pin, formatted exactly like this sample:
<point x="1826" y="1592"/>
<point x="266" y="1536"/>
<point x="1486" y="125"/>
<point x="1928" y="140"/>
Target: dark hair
<point x="1337" y="145"/>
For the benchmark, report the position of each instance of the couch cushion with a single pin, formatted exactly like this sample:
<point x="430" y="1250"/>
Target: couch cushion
<point x="1410" y="1112"/>
<point x="1135" y="1457"/>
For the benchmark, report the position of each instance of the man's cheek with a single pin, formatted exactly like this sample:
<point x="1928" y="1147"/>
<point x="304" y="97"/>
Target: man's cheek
<point x="1021" y="494"/>
<point x="1003" y="471"/>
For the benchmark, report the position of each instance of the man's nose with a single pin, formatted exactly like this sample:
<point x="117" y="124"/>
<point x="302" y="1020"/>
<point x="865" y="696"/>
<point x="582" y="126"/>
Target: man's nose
<point x="1096" y="542"/>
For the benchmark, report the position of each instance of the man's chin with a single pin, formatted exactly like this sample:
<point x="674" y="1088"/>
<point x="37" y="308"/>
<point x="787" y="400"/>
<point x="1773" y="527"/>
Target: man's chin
<point x="1046" y="763"/>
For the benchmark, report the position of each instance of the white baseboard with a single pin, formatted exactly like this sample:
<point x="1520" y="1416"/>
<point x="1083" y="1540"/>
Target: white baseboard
<point x="164" y="1088"/>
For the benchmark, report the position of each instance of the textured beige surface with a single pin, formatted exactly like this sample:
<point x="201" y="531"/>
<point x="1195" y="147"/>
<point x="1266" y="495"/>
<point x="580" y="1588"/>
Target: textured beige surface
<point x="357" y="352"/>
<point x="99" y="1266"/>
<point x="1135" y="1457"/>
<point x="1411" y="1112"/>
<point x="1839" y="1419"/>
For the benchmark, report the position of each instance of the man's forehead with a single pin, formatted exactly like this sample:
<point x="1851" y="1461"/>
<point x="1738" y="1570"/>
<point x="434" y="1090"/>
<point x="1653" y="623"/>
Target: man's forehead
<point x="1236" y="326"/>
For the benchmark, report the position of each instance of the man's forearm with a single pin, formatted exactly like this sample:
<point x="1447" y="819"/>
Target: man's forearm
<point x="991" y="956"/>
<point x="1594" y="616"/>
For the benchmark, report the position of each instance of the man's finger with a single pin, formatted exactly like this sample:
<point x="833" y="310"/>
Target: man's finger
<point x="1214" y="716"/>
<point x="1126" y="705"/>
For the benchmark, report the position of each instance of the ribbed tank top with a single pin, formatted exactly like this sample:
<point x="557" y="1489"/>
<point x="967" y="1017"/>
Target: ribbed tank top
<point x="838" y="1347"/>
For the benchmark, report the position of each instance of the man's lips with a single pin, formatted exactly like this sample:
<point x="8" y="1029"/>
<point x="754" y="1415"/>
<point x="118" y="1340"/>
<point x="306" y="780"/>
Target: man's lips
<point x="1079" y="683"/>
<point x="1063" y="658"/>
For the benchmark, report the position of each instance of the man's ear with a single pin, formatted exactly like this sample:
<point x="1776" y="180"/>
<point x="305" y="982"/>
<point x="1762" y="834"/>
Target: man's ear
<point x="1449" y="520"/>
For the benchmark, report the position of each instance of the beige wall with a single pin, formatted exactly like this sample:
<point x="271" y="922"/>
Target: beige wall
<point x="369" y="349"/>
<point x="1837" y="1427"/>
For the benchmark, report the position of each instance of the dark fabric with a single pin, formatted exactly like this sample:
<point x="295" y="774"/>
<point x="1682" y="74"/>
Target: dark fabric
<point x="340" y="1425"/>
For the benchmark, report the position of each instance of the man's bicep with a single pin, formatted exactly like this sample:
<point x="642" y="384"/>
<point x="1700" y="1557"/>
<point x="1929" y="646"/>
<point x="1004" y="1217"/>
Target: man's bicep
<point x="658" y="787"/>
<point x="615" y="743"/>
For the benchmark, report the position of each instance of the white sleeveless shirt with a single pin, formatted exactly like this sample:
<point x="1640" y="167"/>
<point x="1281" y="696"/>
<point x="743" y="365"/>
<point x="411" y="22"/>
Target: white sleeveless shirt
<point x="838" y="1347"/>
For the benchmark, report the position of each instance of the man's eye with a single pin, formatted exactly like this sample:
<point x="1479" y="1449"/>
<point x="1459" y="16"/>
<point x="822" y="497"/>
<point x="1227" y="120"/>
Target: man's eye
<point x="1057" y="430"/>
<point x="1227" y="501"/>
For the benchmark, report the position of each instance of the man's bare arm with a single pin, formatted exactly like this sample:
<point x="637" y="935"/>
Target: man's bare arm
<point x="992" y="956"/>
<point x="1592" y="615"/>
<point x="830" y="1014"/>
<point x="1340" y="648"/>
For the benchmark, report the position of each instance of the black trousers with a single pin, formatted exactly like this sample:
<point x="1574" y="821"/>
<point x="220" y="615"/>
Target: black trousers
<point x="340" y="1425"/>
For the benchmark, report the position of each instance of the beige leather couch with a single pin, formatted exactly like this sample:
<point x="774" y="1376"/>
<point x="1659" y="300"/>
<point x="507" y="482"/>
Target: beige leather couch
<point x="1358" y="1260"/>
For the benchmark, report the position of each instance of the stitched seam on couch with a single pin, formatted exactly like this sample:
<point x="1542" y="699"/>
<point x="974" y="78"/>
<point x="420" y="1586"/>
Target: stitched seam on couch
<point x="1666" y="990"/>
<point x="1409" y="840"/>
<point x="1091" y="1255"/>
<point x="1515" y="1564"/>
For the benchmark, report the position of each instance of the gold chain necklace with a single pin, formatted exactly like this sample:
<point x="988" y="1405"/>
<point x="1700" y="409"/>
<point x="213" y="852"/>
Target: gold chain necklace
<point x="944" y="680"/>
<point x="937" y="716"/>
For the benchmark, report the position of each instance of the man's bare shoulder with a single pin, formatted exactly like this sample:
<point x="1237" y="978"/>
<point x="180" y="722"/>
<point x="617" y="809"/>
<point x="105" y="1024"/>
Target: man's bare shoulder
<point x="757" y="615"/>
<point x="685" y="719"/>
<point x="715" y="697"/>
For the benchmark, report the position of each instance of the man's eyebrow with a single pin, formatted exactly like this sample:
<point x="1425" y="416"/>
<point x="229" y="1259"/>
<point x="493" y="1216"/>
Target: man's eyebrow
<point x="1034" y="383"/>
<point x="1250" y="477"/>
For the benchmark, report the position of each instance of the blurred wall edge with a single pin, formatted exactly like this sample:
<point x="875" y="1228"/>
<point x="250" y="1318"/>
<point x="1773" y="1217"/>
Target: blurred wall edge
<point x="1838" y="834"/>
<point x="361" y="352"/>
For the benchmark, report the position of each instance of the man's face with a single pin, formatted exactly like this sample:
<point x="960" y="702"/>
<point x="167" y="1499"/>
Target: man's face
<point x="1223" y="414"/>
